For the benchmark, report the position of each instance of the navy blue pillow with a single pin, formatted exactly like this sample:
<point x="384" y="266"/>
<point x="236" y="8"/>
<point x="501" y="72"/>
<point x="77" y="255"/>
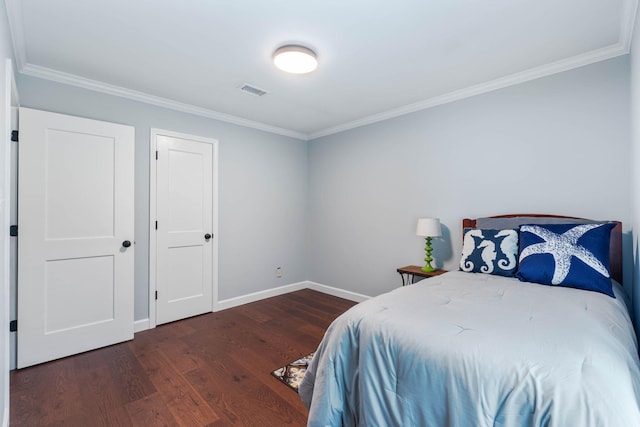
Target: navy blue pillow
<point x="489" y="251"/>
<point x="572" y="255"/>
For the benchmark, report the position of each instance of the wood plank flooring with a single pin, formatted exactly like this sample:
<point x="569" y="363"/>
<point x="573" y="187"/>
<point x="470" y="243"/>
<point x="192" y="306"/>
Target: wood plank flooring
<point x="209" y="370"/>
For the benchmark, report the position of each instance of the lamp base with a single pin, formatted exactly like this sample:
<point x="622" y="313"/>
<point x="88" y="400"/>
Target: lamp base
<point x="427" y="250"/>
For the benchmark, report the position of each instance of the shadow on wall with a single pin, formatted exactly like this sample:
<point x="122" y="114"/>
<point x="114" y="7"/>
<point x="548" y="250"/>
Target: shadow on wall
<point x="442" y="247"/>
<point x="629" y="267"/>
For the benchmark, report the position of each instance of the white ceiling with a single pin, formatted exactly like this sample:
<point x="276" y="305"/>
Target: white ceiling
<point x="378" y="58"/>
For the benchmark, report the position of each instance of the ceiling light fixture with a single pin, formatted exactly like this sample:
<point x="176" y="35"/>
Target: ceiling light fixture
<point x="295" y="59"/>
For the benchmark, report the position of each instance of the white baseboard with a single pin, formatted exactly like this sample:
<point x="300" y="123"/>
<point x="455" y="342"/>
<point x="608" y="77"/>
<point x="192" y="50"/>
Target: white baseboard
<point x="257" y="296"/>
<point x="140" y="325"/>
<point x="337" y="292"/>
<point x="144" y="324"/>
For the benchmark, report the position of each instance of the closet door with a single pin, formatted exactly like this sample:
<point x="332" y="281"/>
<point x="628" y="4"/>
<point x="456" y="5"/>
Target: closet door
<point x="75" y="224"/>
<point x="184" y="234"/>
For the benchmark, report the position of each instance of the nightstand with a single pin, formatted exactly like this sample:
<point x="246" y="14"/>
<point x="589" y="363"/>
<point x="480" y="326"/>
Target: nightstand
<point x="410" y="272"/>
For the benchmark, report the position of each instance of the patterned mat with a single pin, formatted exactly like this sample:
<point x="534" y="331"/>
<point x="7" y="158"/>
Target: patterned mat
<point x="293" y="373"/>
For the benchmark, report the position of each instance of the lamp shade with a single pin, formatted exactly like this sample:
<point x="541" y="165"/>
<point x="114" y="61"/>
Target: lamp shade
<point x="429" y="227"/>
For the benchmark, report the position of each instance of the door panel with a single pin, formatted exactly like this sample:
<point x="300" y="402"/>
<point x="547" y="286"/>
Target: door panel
<point x="79" y="167"/>
<point x="179" y="271"/>
<point x="185" y="214"/>
<point x="185" y="178"/>
<point x="78" y="292"/>
<point x="75" y="208"/>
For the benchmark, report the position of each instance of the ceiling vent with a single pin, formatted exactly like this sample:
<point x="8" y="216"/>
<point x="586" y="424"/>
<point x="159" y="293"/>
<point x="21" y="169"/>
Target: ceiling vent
<point x="252" y="90"/>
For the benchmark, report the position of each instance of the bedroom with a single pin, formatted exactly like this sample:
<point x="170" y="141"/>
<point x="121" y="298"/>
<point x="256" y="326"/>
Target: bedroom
<point x="323" y="225"/>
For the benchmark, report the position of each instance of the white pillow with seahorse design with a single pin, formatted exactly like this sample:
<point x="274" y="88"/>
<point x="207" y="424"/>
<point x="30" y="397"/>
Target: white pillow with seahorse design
<point x="489" y="251"/>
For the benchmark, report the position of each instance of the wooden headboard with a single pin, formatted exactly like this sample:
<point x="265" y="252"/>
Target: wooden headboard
<point x="615" y="245"/>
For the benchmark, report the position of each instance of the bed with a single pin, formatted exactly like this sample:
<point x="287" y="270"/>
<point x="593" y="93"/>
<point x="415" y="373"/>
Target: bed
<point x="486" y="349"/>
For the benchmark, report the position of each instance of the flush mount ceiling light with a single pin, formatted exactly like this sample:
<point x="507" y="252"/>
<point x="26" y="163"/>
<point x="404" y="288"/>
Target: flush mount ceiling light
<point x="295" y="59"/>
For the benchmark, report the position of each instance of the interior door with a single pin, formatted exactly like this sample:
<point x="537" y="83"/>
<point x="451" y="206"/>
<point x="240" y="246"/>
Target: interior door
<point x="184" y="235"/>
<point x="75" y="223"/>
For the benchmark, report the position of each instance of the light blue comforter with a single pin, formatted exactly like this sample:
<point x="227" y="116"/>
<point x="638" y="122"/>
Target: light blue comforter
<point x="466" y="349"/>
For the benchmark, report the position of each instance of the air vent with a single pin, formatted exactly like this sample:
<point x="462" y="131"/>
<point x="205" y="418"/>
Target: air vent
<point x="252" y="90"/>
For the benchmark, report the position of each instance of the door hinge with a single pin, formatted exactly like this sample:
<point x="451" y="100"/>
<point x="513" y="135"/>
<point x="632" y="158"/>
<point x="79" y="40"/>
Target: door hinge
<point x="156" y="295"/>
<point x="13" y="326"/>
<point x="14" y="135"/>
<point x="156" y="225"/>
<point x="13" y="230"/>
<point x="156" y="154"/>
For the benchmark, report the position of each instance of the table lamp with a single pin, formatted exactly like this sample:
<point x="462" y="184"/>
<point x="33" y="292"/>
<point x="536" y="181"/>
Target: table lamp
<point x="428" y="228"/>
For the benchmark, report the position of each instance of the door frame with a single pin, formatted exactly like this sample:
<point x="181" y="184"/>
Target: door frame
<point x="153" y="190"/>
<point x="10" y="104"/>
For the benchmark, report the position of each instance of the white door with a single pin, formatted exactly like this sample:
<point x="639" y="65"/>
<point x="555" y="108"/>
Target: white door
<point x="75" y="225"/>
<point x="184" y="234"/>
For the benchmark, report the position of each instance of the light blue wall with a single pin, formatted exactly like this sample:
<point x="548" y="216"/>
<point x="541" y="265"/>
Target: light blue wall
<point x="262" y="185"/>
<point x="554" y="145"/>
<point x="635" y="164"/>
<point x="557" y="145"/>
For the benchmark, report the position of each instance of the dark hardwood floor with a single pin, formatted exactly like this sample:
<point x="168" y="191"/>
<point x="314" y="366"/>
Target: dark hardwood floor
<point x="209" y="370"/>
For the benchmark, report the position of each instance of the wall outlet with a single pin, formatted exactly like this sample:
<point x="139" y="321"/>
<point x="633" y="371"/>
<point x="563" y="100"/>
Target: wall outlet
<point x="279" y="272"/>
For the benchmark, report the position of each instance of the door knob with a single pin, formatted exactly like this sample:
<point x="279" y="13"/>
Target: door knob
<point x="126" y="243"/>
<point x="207" y="236"/>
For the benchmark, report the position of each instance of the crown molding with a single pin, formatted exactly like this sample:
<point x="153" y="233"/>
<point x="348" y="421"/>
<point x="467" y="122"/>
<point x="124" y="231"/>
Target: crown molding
<point x="94" y="85"/>
<point x="627" y="21"/>
<point x="502" y="82"/>
<point x="16" y="28"/>
<point x="591" y="57"/>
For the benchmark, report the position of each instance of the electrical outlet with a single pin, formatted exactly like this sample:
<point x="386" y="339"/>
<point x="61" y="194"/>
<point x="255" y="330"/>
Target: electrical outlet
<point x="279" y="272"/>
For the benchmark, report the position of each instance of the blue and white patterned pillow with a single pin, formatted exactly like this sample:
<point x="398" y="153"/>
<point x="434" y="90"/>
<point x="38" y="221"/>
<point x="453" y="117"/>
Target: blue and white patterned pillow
<point x="572" y="255"/>
<point x="489" y="251"/>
